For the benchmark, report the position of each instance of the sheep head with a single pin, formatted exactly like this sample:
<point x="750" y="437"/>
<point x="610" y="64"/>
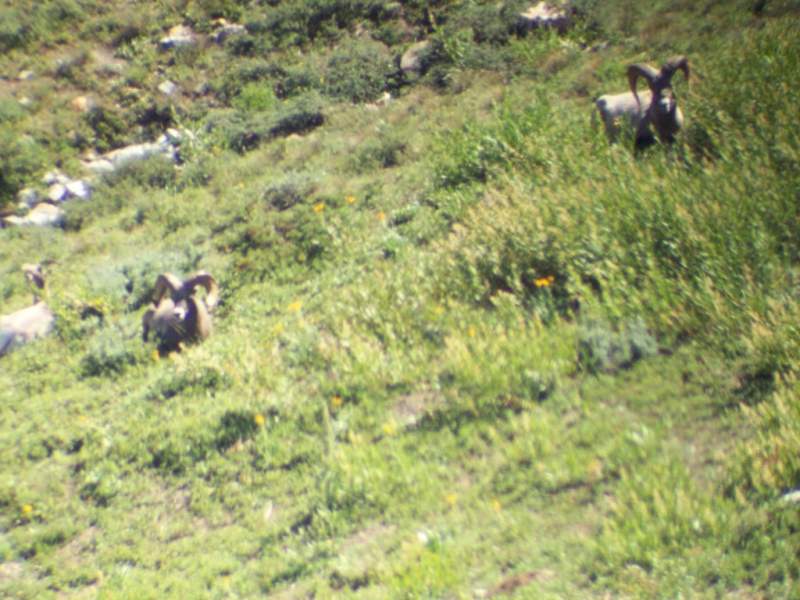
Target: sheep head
<point x="663" y="111"/>
<point x="177" y="314"/>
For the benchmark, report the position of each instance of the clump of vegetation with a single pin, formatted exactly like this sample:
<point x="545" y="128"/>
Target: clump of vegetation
<point x="451" y="317"/>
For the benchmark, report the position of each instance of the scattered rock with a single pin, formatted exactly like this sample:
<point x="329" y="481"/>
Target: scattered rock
<point x="382" y="102"/>
<point x="25" y="102"/>
<point x="226" y="30"/>
<point x="412" y="60"/>
<point x="26" y="75"/>
<point x="57" y="193"/>
<point x="42" y="215"/>
<point x="168" y="88"/>
<point x="178" y="36"/>
<point x="53" y="177"/>
<point x="80" y="189"/>
<point x="28" y="196"/>
<point x="791" y="497"/>
<point x="82" y="104"/>
<point x="165" y="146"/>
<point x="544" y="15"/>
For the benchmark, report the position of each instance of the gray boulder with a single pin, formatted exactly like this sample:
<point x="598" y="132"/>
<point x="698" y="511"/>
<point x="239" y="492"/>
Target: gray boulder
<point x="544" y="15"/>
<point x="177" y="37"/>
<point x="41" y="215"/>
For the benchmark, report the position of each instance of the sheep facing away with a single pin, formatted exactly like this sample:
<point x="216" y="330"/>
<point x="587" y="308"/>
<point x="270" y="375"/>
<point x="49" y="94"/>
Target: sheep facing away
<point x="177" y="315"/>
<point x="653" y="113"/>
<point x="28" y="323"/>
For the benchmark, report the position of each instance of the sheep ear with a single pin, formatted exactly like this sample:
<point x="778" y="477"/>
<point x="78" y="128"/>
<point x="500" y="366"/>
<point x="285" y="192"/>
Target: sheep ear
<point x="641" y="70"/>
<point x="165" y="283"/>
<point x="33" y="273"/>
<point x="673" y="64"/>
<point x="208" y="282"/>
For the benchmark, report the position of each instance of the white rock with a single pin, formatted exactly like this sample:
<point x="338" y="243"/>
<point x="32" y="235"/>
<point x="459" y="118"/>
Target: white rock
<point x="28" y="196"/>
<point x="57" y="192"/>
<point x="42" y="215"/>
<point x="136" y="152"/>
<point x="99" y="166"/>
<point x="174" y="136"/>
<point x="177" y="36"/>
<point x="82" y="103"/>
<point x="791" y="497"/>
<point x="411" y="61"/>
<point x="167" y="88"/>
<point x="227" y="30"/>
<point x="54" y="176"/>
<point x="544" y="14"/>
<point x="25" y="102"/>
<point x="78" y="188"/>
<point x="26" y="75"/>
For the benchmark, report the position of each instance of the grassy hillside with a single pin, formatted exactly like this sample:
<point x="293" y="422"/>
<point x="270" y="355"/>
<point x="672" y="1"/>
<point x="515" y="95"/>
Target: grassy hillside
<point x="465" y="347"/>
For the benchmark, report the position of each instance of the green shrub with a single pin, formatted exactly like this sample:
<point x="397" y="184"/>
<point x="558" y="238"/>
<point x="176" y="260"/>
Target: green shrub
<point x="111" y="352"/>
<point x="243" y="132"/>
<point x="287" y="192"/>
<point x="21" y="157"/>
<point x="359" y="71"/>
<point x="157" y="172"/>
<point x="109" y="128"/>
<point x="384" y="151"/>
<point x="13" y="30"/>
<point x="603" y="348"/>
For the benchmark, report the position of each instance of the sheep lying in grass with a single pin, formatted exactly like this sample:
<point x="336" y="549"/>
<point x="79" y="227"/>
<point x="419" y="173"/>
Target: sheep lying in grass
<point x="654" y="110"/>
<point x="28" y="323"/>
<point x="177" y="316"/>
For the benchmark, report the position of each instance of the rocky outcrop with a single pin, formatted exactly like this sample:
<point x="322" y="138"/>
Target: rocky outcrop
<point x="179" y="36"/>
<point x="166" y="146"/>
<point x="544" y="15"/>
<point x="41" y="215"/>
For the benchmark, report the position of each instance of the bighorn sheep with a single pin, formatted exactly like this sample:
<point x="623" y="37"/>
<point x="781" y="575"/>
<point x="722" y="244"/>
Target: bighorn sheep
<point x="28" y="323"/>
<point x="656" y="109"/>
<point x="177" y="316"/>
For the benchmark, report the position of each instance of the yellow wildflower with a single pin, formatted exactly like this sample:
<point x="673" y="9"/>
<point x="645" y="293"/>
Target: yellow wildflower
<point x="496" y="506"/>
<point x="259" y="419"/>
<point x="350" y="199"/>
<point x="319" y="207"/>
<point x="26" y="509"/>
<point x="544" y="281"/>
<point x="295" y="306"/>
<point x="451" y="499"/>
<point x="278" y="329"/>
<point x="390" y="428"/>
<point x="381" y="216"/>
<point x="336" y="402"/>
<point x="471" y="331"/>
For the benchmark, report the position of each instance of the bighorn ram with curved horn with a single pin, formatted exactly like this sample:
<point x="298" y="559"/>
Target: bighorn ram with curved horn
<point x="177" y="315"/>
<point x="656" y="109"/>
<point x="28" y="323"/>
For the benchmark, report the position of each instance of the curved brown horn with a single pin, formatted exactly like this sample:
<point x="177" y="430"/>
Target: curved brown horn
<point x="673" y="64"/>
<point x="197" y="322"/>
<point x="641" y="70"/>
<point x="166" y="282"/>
<point x="208" y="282"/>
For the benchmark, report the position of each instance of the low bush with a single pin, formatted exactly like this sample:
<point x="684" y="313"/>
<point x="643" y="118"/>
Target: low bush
<point x="359" y="71"/>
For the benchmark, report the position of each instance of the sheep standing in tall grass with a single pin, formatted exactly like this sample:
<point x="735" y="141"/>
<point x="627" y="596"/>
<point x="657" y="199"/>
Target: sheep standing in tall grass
<point x="653" y="113"/>
<point x="177" y="316"/>
<point x="28" y="323"/>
